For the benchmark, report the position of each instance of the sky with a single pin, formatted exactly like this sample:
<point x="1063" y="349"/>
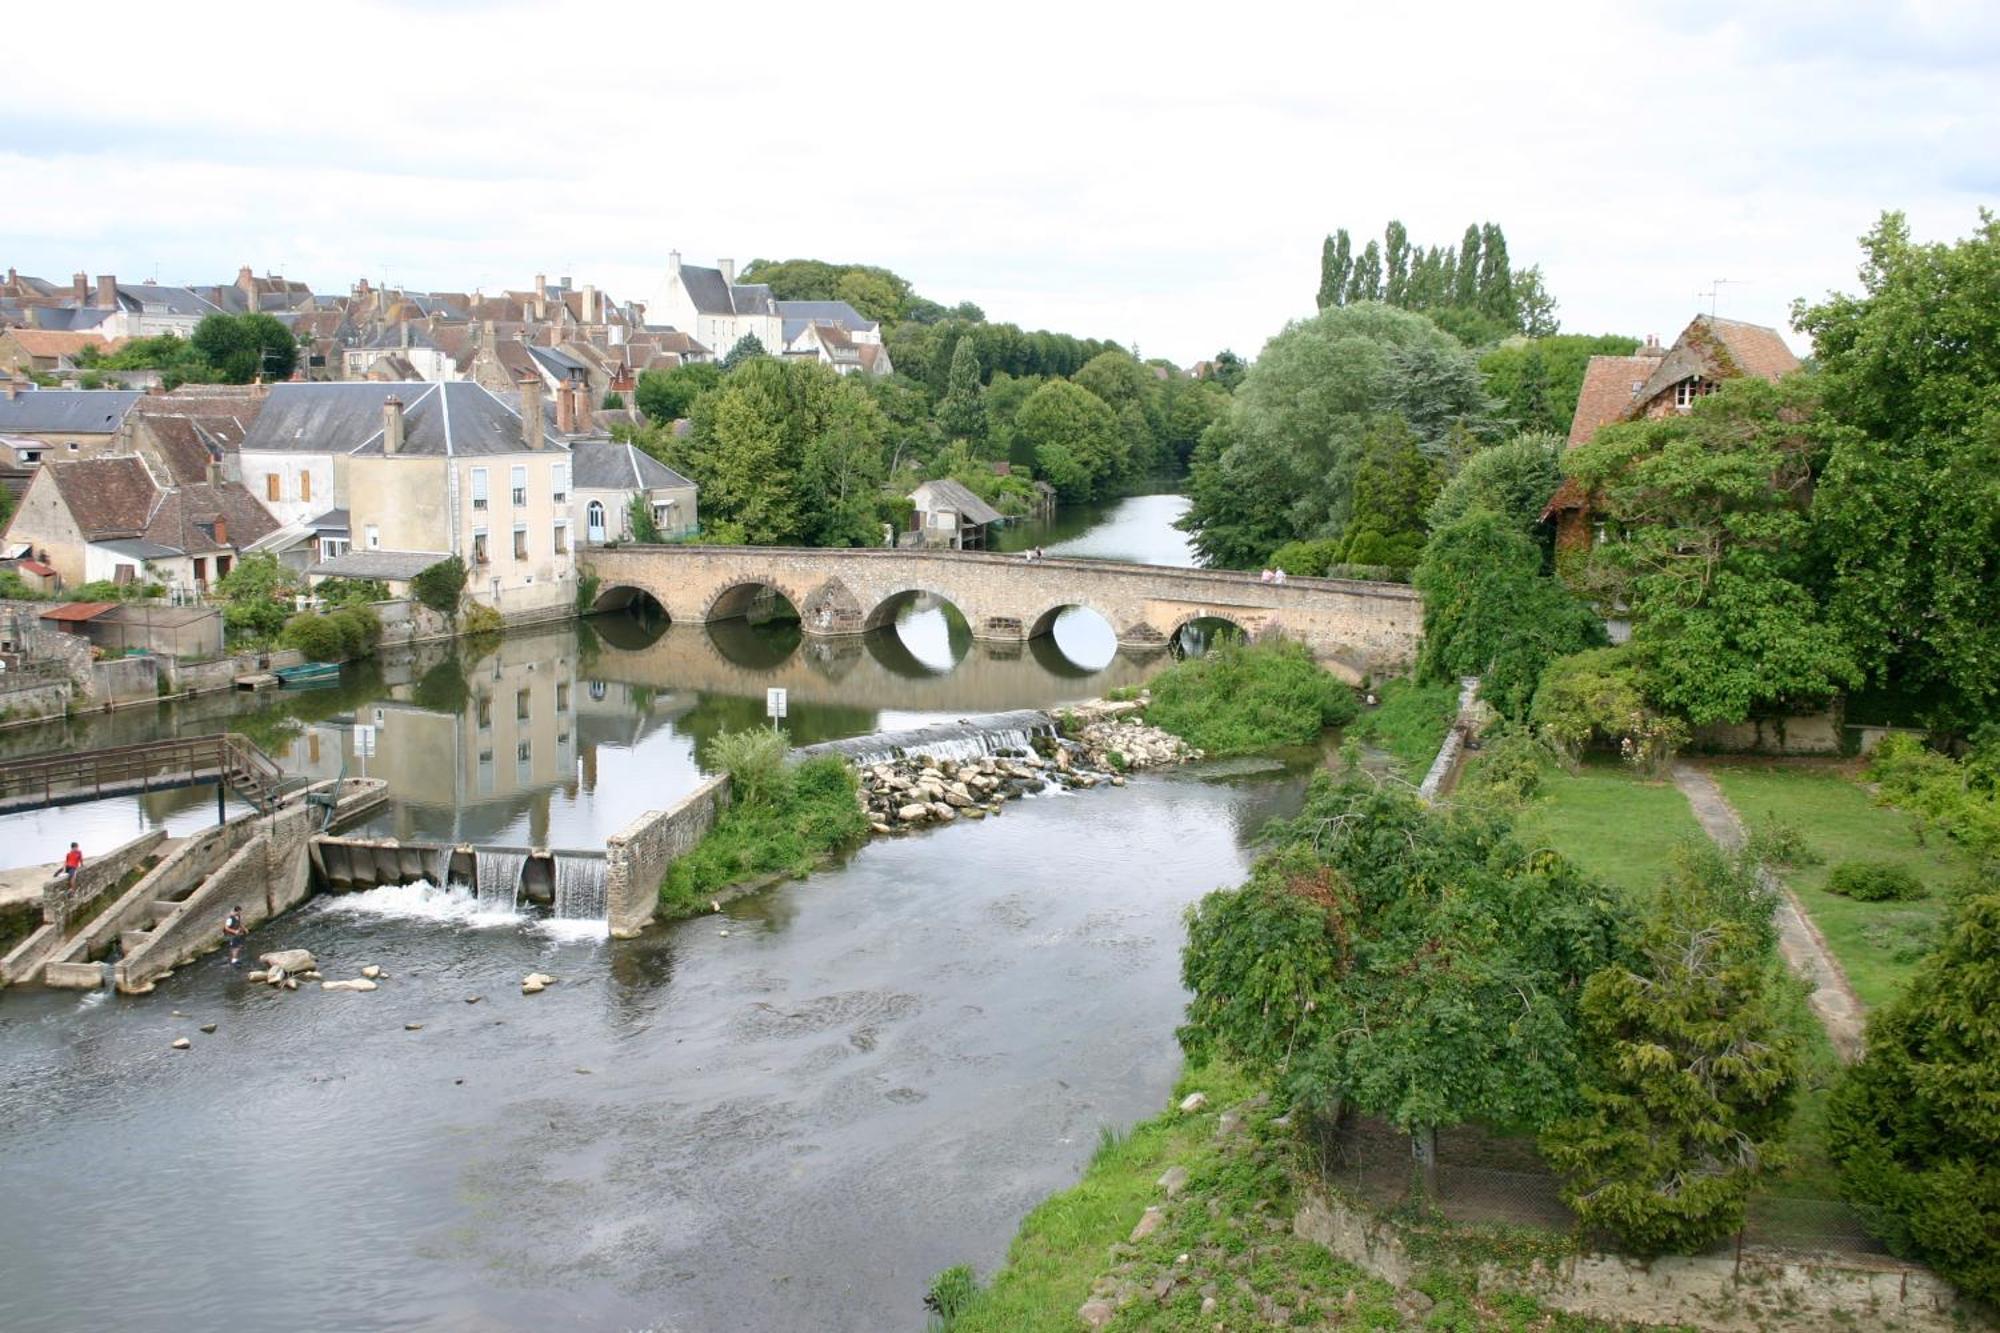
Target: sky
<point x="1159" y="174"/>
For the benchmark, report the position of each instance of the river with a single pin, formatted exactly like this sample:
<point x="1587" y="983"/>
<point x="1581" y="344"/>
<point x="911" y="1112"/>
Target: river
<point x="873" y="1074"/>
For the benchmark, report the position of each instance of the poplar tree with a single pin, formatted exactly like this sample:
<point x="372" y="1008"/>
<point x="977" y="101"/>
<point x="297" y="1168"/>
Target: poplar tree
<point x="1335" y="264"/>
<point x="1465" y="291"/>
<point x="1396" y="254"/>
<point x="1496" y="278"/>
<point x="1366" y="284"/>
<point x="961" y="413"/>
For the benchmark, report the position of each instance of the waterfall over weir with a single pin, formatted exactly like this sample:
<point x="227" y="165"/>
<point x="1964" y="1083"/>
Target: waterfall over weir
<point x="967" y="738"/>
<point x="579" y="888"/>
<point x="499" y="879"/>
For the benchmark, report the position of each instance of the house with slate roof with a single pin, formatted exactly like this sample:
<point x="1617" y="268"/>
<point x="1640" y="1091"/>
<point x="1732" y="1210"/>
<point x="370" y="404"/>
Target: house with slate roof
<point x="72" y="423"/>
<point x="1657" y="382"/>
<point x="607" y="474"/>
<point x="715" y="309"/>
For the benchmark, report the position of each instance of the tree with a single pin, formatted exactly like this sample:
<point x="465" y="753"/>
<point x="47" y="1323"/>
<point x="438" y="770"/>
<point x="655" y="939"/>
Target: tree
<point x="1708" y="546"/>
<point x="747" y="348"/>
<point x="259" y="593"/>
<point x="1229" y="369"/>
<point x="1496" y="277"/>
<point x="612" y="401"/>
<point x="1396" y="264"/>
<point x="1536" y="307"/>
<point x="1596" y="697"/>
<point x="639" y="517"/>
<point x="670" y="395"/>
<point x="1489" y="611"/>
<point x="1915" y="1126"/>
<point x="1394" y="484"/>
<point x="1537" y="379"/>
<point x="1365" y="284"/>
<point x="1410" y="963"/>
<point x="961" y="414"/>
<point x="241" y="347"/>
<point x="441" y="586"/>
<point x="1906" y="513"/>
<point x="1284" y="469"/>
<point x="1688" y="1075"/>
<point x="1514" y="480"/>
<point x="1077" y="444"/>
<point x="1336" y="265"/>
<point x="1465" y="290"/>
<point x="172" y="355"/>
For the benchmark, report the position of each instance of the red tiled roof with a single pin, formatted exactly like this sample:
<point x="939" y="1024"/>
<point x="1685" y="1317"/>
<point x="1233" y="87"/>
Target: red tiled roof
<point x="107" y="497"/>
<point x="1610" y="390"/>
<point x="35" y="567"/>
<point x="76" y="612"/>
<point x="57" y="342"/>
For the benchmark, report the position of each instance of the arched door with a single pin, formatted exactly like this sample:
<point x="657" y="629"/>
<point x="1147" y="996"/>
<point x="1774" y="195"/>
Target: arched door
<point x="593" y="521"/>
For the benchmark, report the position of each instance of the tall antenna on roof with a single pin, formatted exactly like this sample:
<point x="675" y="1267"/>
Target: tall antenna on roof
<point x="1715" y="290"/>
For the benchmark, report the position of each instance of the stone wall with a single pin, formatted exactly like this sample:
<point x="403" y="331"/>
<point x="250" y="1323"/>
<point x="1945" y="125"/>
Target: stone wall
<point x="221" y="674"/>
<point x="1749" y="1292"/>
<point x="117" y="681"/>
<point x="195" y="859"/>
<point x="33" y="702"/>
<point x="406" y="622"/>
<point x="1358" y="628"/>
<point x="63" y="895"/>
<point x="1807" y="733"/>
<point x="637" y="858"/>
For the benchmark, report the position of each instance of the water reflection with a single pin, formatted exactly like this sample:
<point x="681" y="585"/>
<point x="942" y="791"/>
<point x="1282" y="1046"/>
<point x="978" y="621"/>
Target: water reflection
<point x="1138" y="528"/>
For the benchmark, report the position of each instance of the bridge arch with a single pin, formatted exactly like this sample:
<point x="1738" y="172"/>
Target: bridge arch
<point x="1194" y="635"/>
<point x="736" y="600"/>
<point x="627" y="596"/>
<point x="936" y="642"/>
<point x="1075" y="633"/>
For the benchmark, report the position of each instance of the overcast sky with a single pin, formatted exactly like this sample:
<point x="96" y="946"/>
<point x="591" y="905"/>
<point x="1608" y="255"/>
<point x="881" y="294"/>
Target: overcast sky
<point x="1159" y="174"/>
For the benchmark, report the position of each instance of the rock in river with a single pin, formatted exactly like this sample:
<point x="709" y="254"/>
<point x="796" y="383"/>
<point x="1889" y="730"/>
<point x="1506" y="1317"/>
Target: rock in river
<point x="291" y="961"/>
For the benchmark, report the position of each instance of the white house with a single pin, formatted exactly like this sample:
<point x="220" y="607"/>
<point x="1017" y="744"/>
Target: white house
<point x="712" y="307"/>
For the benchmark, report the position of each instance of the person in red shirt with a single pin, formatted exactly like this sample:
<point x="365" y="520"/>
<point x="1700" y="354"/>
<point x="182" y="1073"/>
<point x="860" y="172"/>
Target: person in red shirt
<point x="73" y="861"/>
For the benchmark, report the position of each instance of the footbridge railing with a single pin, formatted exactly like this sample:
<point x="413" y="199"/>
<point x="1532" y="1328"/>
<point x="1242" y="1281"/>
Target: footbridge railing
<point x="128" y="770"/>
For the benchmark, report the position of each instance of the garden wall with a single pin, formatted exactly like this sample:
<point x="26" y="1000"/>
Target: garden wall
<point x="221" y="674"/>
<point x="1806" y="733"/>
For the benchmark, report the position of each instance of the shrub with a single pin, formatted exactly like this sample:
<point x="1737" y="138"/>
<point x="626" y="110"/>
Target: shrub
<point x="1310" y="558"/>
<point x="482" y="619"/>
<point x="360" y="629"/>
<point x="1776" y="843"/>
<point x="1912" y="1126"/>
<point x="1510" y="766"/>
<point x="1238" y="698"/>
<point x="14" y="589"/>
<point x="441" y="586"/>
<point x="1874" y="882"/>
<point x="1595" y="698"/>
<point x="316" y="636"/>
<point x="350" y="592"/>
<point x="811" y="811"/>
<point x="1958" y="799"/>
<point x="755" y="762"/>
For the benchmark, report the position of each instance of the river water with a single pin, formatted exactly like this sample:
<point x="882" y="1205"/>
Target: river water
<point x="872" y="1075"/>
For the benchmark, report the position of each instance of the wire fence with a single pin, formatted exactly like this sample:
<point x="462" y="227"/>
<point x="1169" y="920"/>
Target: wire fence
<point x="1480" y="1178"/>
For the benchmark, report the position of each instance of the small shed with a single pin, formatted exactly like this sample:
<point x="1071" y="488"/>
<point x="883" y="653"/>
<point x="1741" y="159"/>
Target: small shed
<point x="947" y="513"/>
<point x="75" y="617"/>
<point x="192" y="633"/>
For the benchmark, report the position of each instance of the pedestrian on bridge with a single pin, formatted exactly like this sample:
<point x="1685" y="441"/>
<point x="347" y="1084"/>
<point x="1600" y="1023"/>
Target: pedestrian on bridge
<point x="72" y="862"/>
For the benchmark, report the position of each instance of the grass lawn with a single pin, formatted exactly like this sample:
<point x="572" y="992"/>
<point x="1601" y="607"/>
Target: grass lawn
<point x="1878" y="944"/>
<point x="1613" y="822"/>
<point x="1410" y="723"/>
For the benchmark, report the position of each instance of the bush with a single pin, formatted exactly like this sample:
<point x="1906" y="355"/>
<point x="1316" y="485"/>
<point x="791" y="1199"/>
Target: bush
<point x="1912" y="1126"/>
<point x="1309" y="558"/>
<point x="755" y="762"/>
<point x="482" y="619"/>
<point x="441" y="586"/>
<point x="1776" y="843"/>
<point x="1510" y="766"/>
<point x="1239" y="698"/>
<point x="351" y="592"/>
<point x="316" y="636"/>
<point x="13" y="589"/>
<point x="1595" y="698"/>
<point x="1874" y="882"/>
<point x="813" y="810"/>
<point x="951" y="1294"/>
<point x="360" y="629"/>
<point x="1958" y="799"/>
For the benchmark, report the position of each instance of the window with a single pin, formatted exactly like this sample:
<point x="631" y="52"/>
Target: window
<point x="485" y="712"/>
<point x="479" y="488"/>
<point x="329" y="547"/>
<point x="518" y="479"/>
<point x="1690" y="389"/>
<point x="521" y="705"/>
<point x="479" y="546"/>
<point x="373" y="535"/>
<point x="560" y="474"/>
<point x="520" y="542"/>
<point x="273" y="486"/>
<point x="562" y="539"/>
<point x="305" y="485"/>
<point x="597" y="690"/>
<point x="593" y="520"/>
<point x="562" y="696"/>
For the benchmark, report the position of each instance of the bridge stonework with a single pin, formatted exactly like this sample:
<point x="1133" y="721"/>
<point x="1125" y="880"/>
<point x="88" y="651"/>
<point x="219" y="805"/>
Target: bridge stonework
<point x="1356" y="628"/>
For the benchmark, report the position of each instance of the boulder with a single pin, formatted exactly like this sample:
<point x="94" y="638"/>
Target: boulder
<point x="373" y="972"/>
<point x="958" y="798"/>
<point x="207" y="1028"/>
<point x="536" y="982"/>
<point x="181" y="1043"/>
<point x="878" y="827"/>
<point x="358" y="983"/>
<point x="289" y="960"/>
<point x="1193" y="1102"/>
<point x="1096" y="1313"/>
<point x="943" y="813"/>
<point x="1174" y="1181"/>
<point x="913" y="814"/>
<point x="1149" y="1222"/>
<point x="257" y="976"/>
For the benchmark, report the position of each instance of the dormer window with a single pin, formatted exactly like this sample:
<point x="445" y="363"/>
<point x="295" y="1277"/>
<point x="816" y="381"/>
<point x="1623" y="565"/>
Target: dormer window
<point x="1690" y="389"/>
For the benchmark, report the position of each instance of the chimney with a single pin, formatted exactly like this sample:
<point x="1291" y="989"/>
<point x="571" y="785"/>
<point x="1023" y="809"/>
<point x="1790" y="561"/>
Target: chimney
<point x="532" y="424"/>
<point x="673" y="263"/>
<point x="541" y="296"/>
<point x="728" y="267"/>
<point x="590" y="311"/>
<point x="79" y="288"/>
<point x="404" y="329"/>
<point x="221" y="530"/>
<point x="392" y="425"/>
<point x="107" y="292"/>
<point x="565" y="409"/>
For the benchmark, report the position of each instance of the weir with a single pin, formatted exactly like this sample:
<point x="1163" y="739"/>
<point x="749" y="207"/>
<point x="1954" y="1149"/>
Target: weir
<point x="966" y="738"/>
<point x="497" y="874"/>
<point x="579" y="887"/>
<point x="501" y="880"/>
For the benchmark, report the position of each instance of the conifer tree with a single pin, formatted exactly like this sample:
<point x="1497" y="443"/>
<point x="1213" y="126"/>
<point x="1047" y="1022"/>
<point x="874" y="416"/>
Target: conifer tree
<point x="1915" y="1127"/>
<point x="1496" y="278"/>
<point x="1396" y="255"/>
<point x="961" y="413"/>
<point x="1688" y="1073"/>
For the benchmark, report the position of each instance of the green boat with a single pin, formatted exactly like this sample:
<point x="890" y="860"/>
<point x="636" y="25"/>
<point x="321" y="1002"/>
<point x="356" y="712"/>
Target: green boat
<point x="307" y="673"/>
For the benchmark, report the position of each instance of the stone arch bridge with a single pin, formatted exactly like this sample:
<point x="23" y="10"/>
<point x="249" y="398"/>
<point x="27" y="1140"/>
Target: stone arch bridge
<point x="1356" y="628"/>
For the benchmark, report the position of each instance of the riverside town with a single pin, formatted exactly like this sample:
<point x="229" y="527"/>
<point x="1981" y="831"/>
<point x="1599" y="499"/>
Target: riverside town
<point x="1223" y="689"/>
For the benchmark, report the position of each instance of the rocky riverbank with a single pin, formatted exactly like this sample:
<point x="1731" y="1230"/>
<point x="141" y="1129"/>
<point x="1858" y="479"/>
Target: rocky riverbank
<point x="1099" y="743"/>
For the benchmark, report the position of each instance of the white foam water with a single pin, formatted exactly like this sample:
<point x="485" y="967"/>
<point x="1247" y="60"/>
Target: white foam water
<point x="572" y="930"/>
<point x="421" y="900"/>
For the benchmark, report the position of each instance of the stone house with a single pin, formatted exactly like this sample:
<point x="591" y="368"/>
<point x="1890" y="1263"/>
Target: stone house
<point x="46" y="351"/>
<point x="70" y="423"/>
<point x="948" y="514"/>
<point x="1657" y="382"/>
<point x="712" y="307"/>
<point x="608" y="473"/>
<point x="114" y="519"/>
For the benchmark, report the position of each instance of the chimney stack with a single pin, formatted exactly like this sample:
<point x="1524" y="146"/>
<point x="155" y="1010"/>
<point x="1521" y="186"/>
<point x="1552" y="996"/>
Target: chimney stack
<point x="532" y="424"/>
<point x="221" y="530"/>
<point x="392" y="425"/>
<point x="79" y="288"/>
<point x="107" y="292"/>
<point x="565" y="409"/>
<point x="728" y="267"/>
<point x="591" y="314"/>
<point x="673" y="263"/>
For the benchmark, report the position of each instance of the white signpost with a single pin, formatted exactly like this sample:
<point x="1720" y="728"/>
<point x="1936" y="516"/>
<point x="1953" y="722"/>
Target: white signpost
<point x="364" y="744"/>
<point x="774" y="703"/>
